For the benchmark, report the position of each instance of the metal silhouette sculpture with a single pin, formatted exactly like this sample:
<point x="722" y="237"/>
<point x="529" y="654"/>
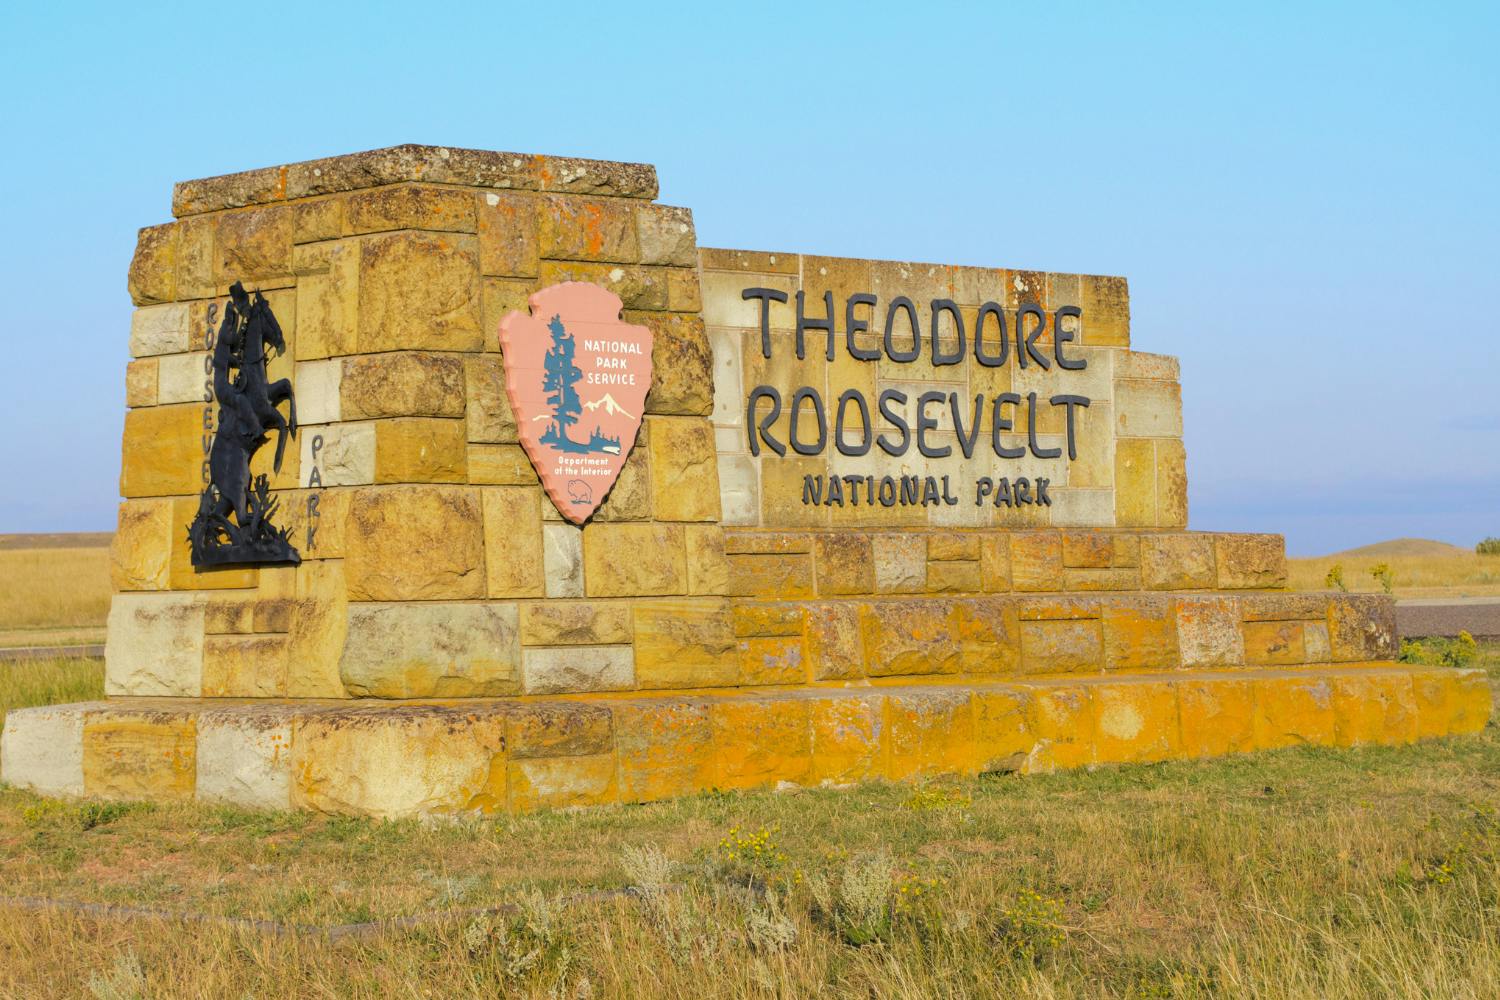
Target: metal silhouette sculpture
<point x="248" y="411"/>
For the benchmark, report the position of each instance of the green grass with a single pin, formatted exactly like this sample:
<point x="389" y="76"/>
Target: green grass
<point x="1300" y="873"/>
<point x="48" y="682"/>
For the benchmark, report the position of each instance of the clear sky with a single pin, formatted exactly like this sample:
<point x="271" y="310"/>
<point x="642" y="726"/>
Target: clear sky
<point x="1303" y="196"/>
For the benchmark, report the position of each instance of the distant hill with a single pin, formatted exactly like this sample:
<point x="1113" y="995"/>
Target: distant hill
<point x="1403" y="547"/>
<point x="58" y="540"/>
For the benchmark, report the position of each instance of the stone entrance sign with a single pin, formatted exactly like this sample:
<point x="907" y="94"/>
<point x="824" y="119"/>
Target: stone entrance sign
<point x="588" y="513"/>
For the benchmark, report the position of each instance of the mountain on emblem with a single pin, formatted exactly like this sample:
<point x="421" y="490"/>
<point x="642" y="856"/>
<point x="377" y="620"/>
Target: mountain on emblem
<point x="577" y="377"/>
<point x="609" y="404"/>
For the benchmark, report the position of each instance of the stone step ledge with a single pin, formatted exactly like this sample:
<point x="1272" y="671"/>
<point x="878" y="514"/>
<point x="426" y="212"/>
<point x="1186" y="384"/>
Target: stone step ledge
<point x="512" y="755"/>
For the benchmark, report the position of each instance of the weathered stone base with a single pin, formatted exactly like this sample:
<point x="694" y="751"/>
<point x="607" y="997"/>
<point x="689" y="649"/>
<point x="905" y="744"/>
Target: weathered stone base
<point x="515" y="754"/>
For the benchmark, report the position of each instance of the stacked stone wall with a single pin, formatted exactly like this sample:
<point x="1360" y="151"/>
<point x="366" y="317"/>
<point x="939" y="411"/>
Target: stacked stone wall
<point x="433" y="563"/>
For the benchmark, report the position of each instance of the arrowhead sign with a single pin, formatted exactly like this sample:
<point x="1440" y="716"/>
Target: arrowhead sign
<point x="577" y="376"/>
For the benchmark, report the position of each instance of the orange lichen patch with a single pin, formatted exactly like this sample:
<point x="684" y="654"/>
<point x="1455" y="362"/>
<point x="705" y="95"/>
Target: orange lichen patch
<point x="772" y="660"/>
<point x="761" y="742"/>
<point x="1135" y="722"/>
<point x="1292" y="711"/>
<point x="1217" y="716"/>
<point x="1374" y="708"/>
<point x="848" y="735"/>
<point x="559" y="782"/>
<point x="931" y="732"/>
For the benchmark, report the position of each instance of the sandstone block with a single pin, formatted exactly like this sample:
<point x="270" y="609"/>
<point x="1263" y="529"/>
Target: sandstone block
<point x="139" y="555"/>
<point x="432" y="650"/>
<point x="1135" y="483"/>
<point x="685" y="644"/>
<point x="1362" y="627"/>
<point x="322" y="219"/>
<point x="1140" y="633"/>
<point x="402" y="384"/>
<point x="318" y="391"/>
<point x="771" y="660"/>
<point x="195" y="258"/>
<point x="739" y="489"/>
<point x="909" y="637"/>
<point x="565" y="669"/>
<point x="845" y="564"/>
<point x="153" y="268"/>
<point x="638" y="287"/>
<point x="1088" y="549"/>
<point x="989" y="634"/>
<point x="630" y="498"/>
<point x="253" y="245"/>
<point x="1291" y="711"/>
<point x="571" y="228"/>
<point x="1316" y="643"/>
<point x="634" y="559"/>
<point x="1135" y="722"/>
<point x="900" y="563"/>
<point x="183" y="575"/>
<point x="953" y="578"/>
<point x="707" y="565"/>
<point x="1274" y="643"/>
<point x="420" y="450"/>
<point x="419" y="291"/>
<point x="337" y="455"/>
<point x="514" y="559"/>
<point x="1284" y="607"/>
<point x="387" y="524"/>
<point x="847" y="732"/>
<point x="244" y="666"/>
<point x="666" y="235"/>
<point x="182" y="378"/>
<point x="931" y="732"/>
<point x="765" y="620"/>
<point x="1002" y="734"/>
<point x="156" y="330"/>
<point x="412" y="206"/>
<point x="41" y="748"/>
<point x="1063" y="723"/>
<point x="139" y="754"/>
<point x="684" y="471"/>
<point x="163" y="451"/>
<point x="558" y="729"/>
<point x="683" y="293"/>
<point x="1148" y="408"/>
<point x="835" y="649"/>
<point x="1061" y="646"/>
<point x="1208" y="632"/>
<point x="401" y="761"/>
<point x="681" y="364"/>
<point x="327" y="299"/>
<point x="490" y="417"/>
<point x="1036" y="562"/>
<point x="1106" y="311"/>
<point x="1171" y="484"/>
<point x="581" y="623"/>
<point x="1250" y="562"/>
<point x="1374" y="709"/>
<point x="319" y="627"/>
<point x="759" y="743"/>
<point x="562" y="557"/>
<point x="507" y="234"/>
<point x="562" y="782"/>
<point x="500" y="465"/>
<point x="1218" y="716"/>
<point x="1177" y="562"/>
<point x="665" y="748"/>
<point x="140" y="382"/>
<point x="244" y="757"/>
<point x="994" y="562"/>
<point x="154" y="646"/>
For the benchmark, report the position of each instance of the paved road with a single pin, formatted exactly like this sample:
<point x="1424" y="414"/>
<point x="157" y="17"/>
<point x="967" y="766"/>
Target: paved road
<point x="1479" y="616"/>
<point x="50" y="652"/>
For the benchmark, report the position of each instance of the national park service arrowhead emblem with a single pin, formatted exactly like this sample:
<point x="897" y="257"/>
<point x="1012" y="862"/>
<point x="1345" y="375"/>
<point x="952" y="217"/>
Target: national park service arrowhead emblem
<point x="577" y="376"/>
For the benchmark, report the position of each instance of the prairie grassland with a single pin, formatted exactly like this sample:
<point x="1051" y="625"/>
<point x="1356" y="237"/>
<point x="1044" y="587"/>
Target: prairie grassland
<point x="53" y="588"/>
<point x="1462" y="575"/>
<point x="1294" y="874"/>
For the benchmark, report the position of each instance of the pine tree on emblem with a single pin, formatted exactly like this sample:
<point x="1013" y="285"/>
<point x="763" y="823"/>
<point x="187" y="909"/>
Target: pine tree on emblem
<point x="561" y="375"/>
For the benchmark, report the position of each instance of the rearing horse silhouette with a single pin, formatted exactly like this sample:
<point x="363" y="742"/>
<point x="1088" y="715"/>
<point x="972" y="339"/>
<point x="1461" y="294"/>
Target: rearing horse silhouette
<point x="247" y="402"/>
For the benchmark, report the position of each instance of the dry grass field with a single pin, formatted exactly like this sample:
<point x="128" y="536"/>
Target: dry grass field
<point x="1294" y="874"/>
<point x="52" y="592"/>
<point x="1418" y="567"/>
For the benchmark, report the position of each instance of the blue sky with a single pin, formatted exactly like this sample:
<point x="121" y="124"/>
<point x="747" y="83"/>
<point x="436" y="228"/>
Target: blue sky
<point x="1302" y="196"/>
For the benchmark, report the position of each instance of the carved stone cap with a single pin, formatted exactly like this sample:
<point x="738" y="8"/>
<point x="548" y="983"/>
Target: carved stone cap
<point x="431" y="164"/>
